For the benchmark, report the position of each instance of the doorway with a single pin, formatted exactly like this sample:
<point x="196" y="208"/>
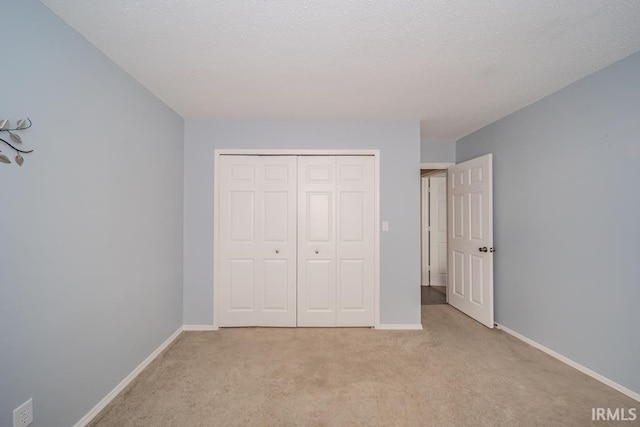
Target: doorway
<point x="469" y="252"/>
<point x="433" y="213"/>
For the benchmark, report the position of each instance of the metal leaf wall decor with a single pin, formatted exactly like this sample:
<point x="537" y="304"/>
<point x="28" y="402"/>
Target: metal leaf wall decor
<point x="5" y="126"/>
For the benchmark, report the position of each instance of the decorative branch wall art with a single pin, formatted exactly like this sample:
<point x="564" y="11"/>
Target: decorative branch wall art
<point x="5" y="126"/>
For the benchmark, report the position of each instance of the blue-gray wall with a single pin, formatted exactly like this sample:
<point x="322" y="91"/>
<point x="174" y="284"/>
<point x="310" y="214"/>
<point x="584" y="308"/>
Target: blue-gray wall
<point x="437" y="151"/>
<point x="399" y="144"/>
<point x="90" y="225"/>
<point x="567" y="220"/>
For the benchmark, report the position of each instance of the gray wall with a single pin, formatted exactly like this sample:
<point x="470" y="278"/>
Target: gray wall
<point x="399" y="143"/>
<point x="567" y="210"/>
<point x="90" y="225"/>
<point x="437" y="151"/>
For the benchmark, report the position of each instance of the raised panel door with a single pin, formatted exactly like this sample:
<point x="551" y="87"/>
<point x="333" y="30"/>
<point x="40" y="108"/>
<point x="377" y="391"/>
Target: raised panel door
<point x="470" y="238"/>
<point x="258" y="241"/>
<point x="316" y="241"/>
<point x="239" y="244"/>
<point x="355" y="241"/>
<point x="276" y="291"/>
<point x="438" y="230"/>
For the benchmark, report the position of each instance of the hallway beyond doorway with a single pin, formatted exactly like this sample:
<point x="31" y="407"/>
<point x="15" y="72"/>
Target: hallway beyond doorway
<point x="432" y="295"/>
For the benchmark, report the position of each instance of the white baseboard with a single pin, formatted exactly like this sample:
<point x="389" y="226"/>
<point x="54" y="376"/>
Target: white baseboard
<point x="400" y="327"/>
<point x="125" y="382"/>
<point x="614" y="385"/>
<point x="199" y="328"/>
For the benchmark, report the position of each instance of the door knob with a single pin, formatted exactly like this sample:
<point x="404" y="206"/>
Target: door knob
<point x="277" y="251"/>
<point x="317" y="251"/>
<point x="484" y="249"/>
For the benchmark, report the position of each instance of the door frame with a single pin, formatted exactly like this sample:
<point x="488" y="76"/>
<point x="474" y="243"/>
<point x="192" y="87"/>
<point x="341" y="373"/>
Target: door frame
<point x="443" y="166"/>
<point x="296" y="152"/>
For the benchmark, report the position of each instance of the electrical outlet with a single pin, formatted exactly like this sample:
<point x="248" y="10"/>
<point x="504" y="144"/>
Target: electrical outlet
<point x="23" y="414"/>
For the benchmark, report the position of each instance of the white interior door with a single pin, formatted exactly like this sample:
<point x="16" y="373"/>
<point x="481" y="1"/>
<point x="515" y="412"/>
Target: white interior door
<point x="424" y="229"/>
<point x="257" y="241"/>
<point x="316" y="241"/>
<point x="470" y="213"/>
<point x="438" y="230"/>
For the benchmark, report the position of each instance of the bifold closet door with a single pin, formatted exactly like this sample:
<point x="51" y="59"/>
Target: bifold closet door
<point x="335" y="241"/>
<point x="257" y="261"/>
<point x="316" y="241"/>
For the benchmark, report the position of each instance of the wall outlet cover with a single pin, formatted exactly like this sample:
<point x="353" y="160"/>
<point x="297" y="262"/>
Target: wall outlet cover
<point x="23" y="414"/>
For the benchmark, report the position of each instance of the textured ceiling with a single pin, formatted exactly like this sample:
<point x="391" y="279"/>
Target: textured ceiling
<point x="454" y="65"/>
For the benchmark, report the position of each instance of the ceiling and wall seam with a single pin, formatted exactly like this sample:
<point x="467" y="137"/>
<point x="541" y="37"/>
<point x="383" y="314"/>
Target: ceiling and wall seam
<point x="455" y="66"/>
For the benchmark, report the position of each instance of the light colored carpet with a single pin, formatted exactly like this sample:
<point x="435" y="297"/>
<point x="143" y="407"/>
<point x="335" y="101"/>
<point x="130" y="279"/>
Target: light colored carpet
<point x="454" y="373"/>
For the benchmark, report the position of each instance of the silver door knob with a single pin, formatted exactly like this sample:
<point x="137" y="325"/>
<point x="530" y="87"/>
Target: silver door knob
<point x="317" y="251"/>
<point x="277" y="251"/>
<point x="484" y="249"/>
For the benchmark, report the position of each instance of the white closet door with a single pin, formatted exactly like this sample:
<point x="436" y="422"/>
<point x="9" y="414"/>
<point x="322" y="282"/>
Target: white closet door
<point x="276" y="293"/>
<point x="316" y="241"/>
<point x="257" y="241"/>
<point x="355" y="240"/>
<point x="336" y="241"/>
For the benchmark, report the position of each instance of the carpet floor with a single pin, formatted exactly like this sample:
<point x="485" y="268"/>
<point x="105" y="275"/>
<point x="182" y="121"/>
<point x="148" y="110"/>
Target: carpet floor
<point x="455" y="372"/>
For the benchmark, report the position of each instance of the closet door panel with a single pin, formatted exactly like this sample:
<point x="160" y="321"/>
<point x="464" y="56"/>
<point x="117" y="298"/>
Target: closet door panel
<point x="276" y="293"/>
<point x="319" y="217"/>
<point x="353" y="279"/>
<point x="351" y="213"/>
<point x="355" y="241"/>
<point x="316" y="241"/>
<point x="239" y="243"/>
<point x="318" y="279"/>
<point x="257" y="241"/>
<point x="276" y="216"/>
<point x="276" y="285"/>
<point x="241" y="279"/>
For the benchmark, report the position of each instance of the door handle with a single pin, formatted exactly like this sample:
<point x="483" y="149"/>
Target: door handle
<point x="317" y="251"/>
<point x="277" y="251"/>
<point x="484" y="249"/>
